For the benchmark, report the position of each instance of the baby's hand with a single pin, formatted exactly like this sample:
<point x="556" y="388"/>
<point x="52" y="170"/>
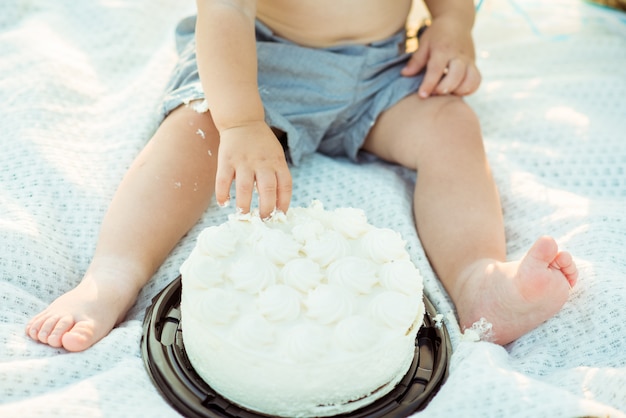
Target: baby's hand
<point x="447" y="53"/>
<point x="251" y="155"/>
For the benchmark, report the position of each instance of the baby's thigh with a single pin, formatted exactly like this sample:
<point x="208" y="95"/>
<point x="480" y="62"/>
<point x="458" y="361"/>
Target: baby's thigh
<point x="185" y="145"/>
<point x="415" y="128"/>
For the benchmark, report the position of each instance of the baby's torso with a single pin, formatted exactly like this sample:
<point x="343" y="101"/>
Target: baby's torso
<point x="321" y="23"/>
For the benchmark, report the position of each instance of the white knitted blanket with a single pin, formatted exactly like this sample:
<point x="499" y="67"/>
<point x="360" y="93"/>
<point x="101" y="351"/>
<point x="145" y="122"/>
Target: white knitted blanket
<point x="79" y="85"/>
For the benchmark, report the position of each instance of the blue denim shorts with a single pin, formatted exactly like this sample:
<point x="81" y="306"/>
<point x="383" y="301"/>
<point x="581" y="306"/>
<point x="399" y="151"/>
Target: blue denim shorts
<point x="324" y="99"/>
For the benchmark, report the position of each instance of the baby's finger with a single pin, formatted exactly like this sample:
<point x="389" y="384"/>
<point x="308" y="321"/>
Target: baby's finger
<point x="470" y="83"/>
<point x="284" y="188"/>
<point x="416" y="63"/>
<point x="454" y="74"/>
<point x="223" y="180"/>
<point x="244" y="187"/>
<point x="434" y="72"/>
<point x="266" y="187"/>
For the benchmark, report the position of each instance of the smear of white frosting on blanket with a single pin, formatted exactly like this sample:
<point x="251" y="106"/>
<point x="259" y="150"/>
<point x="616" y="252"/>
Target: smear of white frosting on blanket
<point x="481" y="330"/>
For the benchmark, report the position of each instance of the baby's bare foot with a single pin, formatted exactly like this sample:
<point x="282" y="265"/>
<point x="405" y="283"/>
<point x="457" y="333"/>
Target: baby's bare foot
<point x="83" y="316"/>
<point x="515" y="297"/>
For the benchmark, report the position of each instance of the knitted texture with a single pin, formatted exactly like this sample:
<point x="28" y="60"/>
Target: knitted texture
<point x="80" y="86"/>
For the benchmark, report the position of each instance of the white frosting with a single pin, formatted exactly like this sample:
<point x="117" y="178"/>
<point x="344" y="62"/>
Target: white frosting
<point x="306" y="343"/>
<point x="308" y="231"/>
<point x="202" y="272"/>
<point x="302" y="274"/>
<point x="253" y="331"/>
<point x="350" y="222"/>
<point x="279" y="303"/>
<point x="216" y="305"/>
<point x="394" y="309"/>
<point x="252" y="274"/>
<point x="384" y="245"/>
<point x="354" y="273"/>
<point x="278" y="246"/>
<point x="218" y="241"/>
<point x="329" y="303"/>
<point x="356" y="333"/>
<point x="328" y="247"/>
<point x="401" y="275"/>
<point x="308" y="313"/>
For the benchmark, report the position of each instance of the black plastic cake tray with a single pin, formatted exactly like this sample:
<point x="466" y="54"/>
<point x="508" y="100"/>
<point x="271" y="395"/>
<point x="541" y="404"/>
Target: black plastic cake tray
<point x="169" y="368"/>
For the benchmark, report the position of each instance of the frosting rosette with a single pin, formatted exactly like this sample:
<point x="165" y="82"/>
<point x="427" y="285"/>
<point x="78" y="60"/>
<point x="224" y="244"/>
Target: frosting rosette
<point x="315" y="211"/>
<point x="279" y="303"/>
<point x="352" y="272"/>
<point x="402" y="276"/>
<point x="217" y="241"/>
<point x="302" y="274"/>
<point x="202" y="272"/>
<point x="307" y="342"/>
<point x="252" y="274"/>
<point x="216" y="305"/>
<point x="383" y="245"/>
<point x="329" y="247"/>
<point x="394" y="309"/>
<point x="329" y="303"/>
<point x="350" y="222"/>
<point x="278" y="246"/>
<point x="307" y="231"/>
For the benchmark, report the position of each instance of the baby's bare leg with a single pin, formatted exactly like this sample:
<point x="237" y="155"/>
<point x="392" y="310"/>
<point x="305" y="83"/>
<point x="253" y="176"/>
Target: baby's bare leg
<point x="459" y="219"/>
<point x="162" y="196"/>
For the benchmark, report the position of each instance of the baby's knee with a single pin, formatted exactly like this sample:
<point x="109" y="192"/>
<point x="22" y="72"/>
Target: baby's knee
<point x="454" y="112"/>
<point x="455" y="130"/>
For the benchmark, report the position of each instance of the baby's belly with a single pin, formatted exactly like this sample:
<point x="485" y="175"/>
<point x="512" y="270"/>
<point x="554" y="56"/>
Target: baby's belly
<point x="322" y="23"/>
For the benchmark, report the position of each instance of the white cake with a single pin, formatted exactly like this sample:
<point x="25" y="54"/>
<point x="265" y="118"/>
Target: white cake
<point x="310" y="313"/>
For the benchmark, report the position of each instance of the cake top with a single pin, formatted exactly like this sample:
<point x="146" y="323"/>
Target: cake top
<point x="302" y="286"/>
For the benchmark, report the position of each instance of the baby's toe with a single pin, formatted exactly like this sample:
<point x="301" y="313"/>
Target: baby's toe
<point x="81" y="337"/>
<point x="46" y="327"/>
<point x="62" y="326"/>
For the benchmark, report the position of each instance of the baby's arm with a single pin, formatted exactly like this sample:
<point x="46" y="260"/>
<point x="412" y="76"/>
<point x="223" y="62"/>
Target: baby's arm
<point x="249" y="152"/>
<point x="446" y="50"/>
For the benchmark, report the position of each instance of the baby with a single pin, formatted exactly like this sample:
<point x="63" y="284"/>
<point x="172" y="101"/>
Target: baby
<point x="260" y="85"/>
